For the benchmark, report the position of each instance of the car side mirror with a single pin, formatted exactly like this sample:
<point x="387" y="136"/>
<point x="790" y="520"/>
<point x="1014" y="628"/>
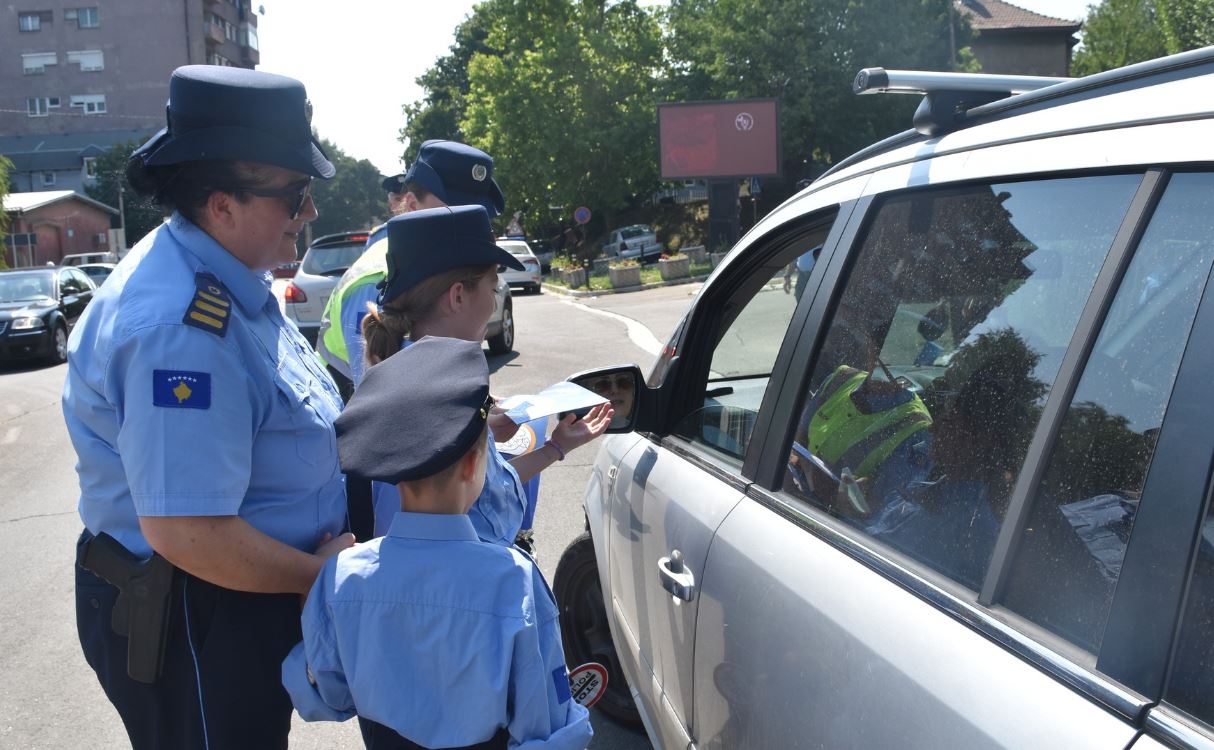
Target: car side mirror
<point x="623" y="386"/>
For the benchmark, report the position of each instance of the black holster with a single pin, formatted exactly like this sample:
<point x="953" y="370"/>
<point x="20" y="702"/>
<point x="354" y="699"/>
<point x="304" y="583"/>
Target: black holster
<point x="141" y="612"/>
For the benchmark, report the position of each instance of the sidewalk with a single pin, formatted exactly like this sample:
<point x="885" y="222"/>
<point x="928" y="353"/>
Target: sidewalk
<point x="580" y="292"/>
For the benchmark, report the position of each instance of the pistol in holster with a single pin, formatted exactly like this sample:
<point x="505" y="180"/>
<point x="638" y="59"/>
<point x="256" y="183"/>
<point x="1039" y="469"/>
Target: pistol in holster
<point x="141" y="612"/>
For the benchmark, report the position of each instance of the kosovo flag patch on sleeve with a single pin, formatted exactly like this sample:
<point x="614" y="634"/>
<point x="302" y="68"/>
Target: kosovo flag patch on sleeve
<point x="211" y="308"/>
<point x="181" y="389"/>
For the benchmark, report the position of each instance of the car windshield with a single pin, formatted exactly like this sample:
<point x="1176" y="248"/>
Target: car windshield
<point x="26" y="287"/>
<point x="331" y="260"/>
<point x="629" y="233"/>
<point x="516" y="248"/>
<point x="96" y="272"/>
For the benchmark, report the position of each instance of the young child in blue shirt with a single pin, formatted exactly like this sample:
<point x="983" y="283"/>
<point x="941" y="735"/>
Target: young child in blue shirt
<point x="432" y="637"/>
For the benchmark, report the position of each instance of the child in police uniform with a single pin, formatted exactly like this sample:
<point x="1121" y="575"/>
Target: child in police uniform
<point x="432" y="637"/>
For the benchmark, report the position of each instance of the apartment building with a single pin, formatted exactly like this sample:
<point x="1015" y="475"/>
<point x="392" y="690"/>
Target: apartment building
<point x="68" y="69"/>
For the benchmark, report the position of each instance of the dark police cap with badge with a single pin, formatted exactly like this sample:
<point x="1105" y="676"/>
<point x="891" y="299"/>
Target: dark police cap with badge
<point x="458" y="175"/>
<point x="424" y="243"/>
<point x="395" y="183"/>
<point x="416" y="413"/>
<point x="218" y="113"/>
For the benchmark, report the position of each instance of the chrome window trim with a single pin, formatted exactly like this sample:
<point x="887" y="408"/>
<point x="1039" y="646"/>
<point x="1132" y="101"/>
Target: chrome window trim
<point x="1174" y="727"/>
<point x="1096" y="687"/>
<point x="703" y="459"/>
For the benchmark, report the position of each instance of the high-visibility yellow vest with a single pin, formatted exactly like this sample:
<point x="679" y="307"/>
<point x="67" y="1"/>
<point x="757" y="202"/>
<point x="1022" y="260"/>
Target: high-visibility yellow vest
<point x="370" y="268"/>
<point x="844" y="436"/>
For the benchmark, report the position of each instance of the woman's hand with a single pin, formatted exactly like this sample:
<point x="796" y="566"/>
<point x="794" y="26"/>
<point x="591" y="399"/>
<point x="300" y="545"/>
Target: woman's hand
<point x="572" y="432"/>
<point x="330" y="545"/>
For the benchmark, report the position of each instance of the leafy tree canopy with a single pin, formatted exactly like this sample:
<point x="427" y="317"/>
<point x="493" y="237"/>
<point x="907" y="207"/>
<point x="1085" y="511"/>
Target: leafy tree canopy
<point x="140" y="214"/>
<point x="353" y="199"/>
<point x="1118" y="33"/>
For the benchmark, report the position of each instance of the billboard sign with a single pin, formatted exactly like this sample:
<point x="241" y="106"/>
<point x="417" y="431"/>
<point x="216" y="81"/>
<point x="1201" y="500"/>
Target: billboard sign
<point x="726" y="139"/>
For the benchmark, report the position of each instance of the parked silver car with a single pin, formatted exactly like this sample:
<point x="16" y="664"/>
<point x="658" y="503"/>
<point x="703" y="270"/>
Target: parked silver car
<point x="637" y="241"/>
<point x="326" y="259"/>
<point x="957" y="496"/>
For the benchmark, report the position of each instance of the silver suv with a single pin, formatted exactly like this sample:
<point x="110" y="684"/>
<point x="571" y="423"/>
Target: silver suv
<point x="957" y="495"/>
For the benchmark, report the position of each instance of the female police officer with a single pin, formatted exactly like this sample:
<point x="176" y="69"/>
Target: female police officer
<point x="204" y="427"/>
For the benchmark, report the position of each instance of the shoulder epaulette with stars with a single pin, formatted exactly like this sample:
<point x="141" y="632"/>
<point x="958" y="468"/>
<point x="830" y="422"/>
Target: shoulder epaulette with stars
<point x="211" y="308"/>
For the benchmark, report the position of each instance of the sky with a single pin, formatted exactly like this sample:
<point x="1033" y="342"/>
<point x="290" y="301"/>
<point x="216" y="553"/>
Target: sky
<point x="359" y="60"/>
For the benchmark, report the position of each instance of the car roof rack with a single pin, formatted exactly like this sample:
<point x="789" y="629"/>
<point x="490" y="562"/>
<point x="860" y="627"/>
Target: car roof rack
<point x="947" y="97"/>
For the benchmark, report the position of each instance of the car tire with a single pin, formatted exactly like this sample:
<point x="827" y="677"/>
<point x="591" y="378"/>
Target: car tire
<point x="537" y="289"/>
<point x="503" y="342"/>
<point x="58" y="353"/>
<point x="585" y="631"/>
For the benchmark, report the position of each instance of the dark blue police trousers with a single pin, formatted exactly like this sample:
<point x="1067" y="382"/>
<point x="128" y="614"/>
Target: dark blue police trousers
<point x="221" y="685"/>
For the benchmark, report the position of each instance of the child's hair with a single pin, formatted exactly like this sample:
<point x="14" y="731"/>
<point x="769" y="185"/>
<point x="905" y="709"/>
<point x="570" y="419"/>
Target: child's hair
<point x="444" y="475"/>
<point x="384" y="329"/>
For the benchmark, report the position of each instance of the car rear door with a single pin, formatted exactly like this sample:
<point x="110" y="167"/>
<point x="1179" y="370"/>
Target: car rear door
<point x="673" y="492"/>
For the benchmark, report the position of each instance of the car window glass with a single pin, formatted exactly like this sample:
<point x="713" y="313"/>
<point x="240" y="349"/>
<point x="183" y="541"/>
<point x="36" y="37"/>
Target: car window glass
<point x="745" y="353"/>
<point x="1070" y="551"/>
<point x="331" y="260"/>
<point x="942" y="350"/>
<point x="83" y="280"/>
<point x="69" y="284"/>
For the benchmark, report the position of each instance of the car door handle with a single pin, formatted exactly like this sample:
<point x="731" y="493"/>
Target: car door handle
<point x="676" y="578"/>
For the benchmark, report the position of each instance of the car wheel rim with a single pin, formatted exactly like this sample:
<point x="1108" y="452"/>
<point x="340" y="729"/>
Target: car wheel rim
<point x="508" y="328"/>
<point x="61" y="343"/>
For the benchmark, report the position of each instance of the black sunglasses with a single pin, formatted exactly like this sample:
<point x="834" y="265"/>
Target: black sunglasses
<point x="296" y="196"/>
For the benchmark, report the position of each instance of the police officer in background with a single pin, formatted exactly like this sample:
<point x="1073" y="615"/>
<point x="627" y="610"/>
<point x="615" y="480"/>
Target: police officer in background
<point x="210" y="487"/>
<point x="445" y="173"/>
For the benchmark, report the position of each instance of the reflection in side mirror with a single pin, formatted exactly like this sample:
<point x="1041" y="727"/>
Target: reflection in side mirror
<point x="619" y="385"/>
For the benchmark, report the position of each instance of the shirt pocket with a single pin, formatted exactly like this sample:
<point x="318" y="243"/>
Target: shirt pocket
<point x="310" y="412"/>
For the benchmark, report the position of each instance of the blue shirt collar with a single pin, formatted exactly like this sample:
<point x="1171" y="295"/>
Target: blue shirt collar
<point x="250" y="288"/>
<point x="433" y="526"/>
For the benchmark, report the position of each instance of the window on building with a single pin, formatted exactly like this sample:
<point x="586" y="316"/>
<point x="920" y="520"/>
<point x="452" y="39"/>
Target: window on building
<point x="92" y="104"/>
<point x="48" y="179"/>
<point x="52" y="102"/>
<point x="217" y="59"/>
<point x="248" y="35"/>
<point x="85" y="18"/>
<point x="88" y="59"/>
<point x="34" y="20"/>
<point x="36" y="107"/>
<point x="90" y="167"/>
<point x="33" y="63"/>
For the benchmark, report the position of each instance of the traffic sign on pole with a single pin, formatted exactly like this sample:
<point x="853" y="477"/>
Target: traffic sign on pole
<point x="581" y="214"/>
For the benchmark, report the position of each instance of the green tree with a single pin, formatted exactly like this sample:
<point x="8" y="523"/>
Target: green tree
<point x="1186" y="24"/>
<point x="806" y="53"/>
<point x="440" y="112"/>
<point x="566" y="106"/>
<point x="5" y="165"/>
<point x="353" y="199"/>
<point x="1118" y="33"/>
<point x="140" y="214"/>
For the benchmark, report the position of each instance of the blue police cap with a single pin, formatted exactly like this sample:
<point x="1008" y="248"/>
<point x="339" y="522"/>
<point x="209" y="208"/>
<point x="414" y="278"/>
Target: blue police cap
<point x="424" y="243"/>
<point x="395" y="183"/>
<point x="458" y="174"/>
<point x="218" y="113"/>
<point x="416" y="413"/>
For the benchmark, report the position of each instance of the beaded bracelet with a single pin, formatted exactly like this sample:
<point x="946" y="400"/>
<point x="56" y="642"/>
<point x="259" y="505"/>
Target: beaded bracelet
<point x="560" y="451"/>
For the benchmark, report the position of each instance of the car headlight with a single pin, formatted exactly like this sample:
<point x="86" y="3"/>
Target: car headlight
<point x="25" y="324"/>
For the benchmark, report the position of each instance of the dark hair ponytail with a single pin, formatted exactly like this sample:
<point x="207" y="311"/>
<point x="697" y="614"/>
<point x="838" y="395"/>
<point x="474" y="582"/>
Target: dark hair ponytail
<point x="186" y="187"/>
<point x="384" y="329"/>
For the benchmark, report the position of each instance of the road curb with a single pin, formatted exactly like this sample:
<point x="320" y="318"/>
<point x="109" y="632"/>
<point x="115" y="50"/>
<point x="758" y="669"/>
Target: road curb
<point x="576" y="293"/>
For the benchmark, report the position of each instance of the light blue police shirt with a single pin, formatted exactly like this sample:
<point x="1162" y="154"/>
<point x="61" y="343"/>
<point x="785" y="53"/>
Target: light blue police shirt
<point x="497" y="514"/>
<point x="439" y="636"/>
<point x="188" y="394"/>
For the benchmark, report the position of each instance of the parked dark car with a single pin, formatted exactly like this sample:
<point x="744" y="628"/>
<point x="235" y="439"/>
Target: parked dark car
<point x="38" y="308"/>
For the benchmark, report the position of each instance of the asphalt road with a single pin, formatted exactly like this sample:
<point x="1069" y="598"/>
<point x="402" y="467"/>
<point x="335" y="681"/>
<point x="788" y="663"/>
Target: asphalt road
<point x="50" y="699"/>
